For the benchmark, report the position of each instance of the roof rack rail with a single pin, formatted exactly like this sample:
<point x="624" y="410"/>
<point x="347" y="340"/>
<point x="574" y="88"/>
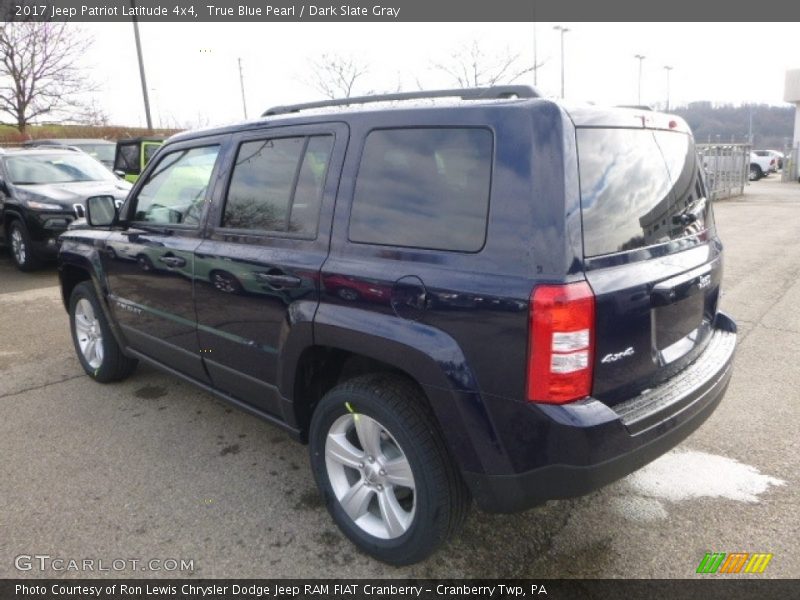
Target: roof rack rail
<point x="484" y="93"/>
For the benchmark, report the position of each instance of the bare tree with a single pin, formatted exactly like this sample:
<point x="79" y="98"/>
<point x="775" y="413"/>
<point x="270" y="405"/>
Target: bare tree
<point x="92" y="113"/>
<point x="39" y="71"/>
<point x="336" y="76"/>
<point x="470" y="66"/>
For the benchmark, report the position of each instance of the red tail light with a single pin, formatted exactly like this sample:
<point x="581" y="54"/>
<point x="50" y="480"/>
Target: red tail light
<point x="561" y="343"/>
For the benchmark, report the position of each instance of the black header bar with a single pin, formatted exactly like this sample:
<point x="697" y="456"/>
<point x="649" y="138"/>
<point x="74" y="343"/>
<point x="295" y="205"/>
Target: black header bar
<point x="711" y="587"/>
<point x="190" y="11"/>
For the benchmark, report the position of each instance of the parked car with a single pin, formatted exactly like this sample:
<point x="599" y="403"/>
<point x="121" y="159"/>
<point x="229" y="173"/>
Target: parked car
<point x="42" y="191"/>
<point x="778" y="156"/>
<point x="99" y="149"/>
<point x="519" y="326"/>
<point x="761" y="166"/>
<point x="133" y="154"/>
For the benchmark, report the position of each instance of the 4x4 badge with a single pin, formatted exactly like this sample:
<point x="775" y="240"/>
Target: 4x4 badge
<point x="615" y="356"/>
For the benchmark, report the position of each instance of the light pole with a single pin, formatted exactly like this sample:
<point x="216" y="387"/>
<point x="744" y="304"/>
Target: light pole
<point x="141" y="67"/>
<point x="241" y="83"/>
<point x="640" y="58"/>
<point x="667" y="68"/>
<point x="535" y="66"/>
<point x="563" y="30"/>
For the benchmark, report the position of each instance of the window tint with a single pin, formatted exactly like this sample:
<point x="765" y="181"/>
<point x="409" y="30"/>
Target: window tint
<point x="175" y="191"/>
<point x="277" y="185"/>
<point x="638" y="188"/>
<point x="127" y="158"/>
<point x="149" y="150"/>
<point x="423" y="188"/>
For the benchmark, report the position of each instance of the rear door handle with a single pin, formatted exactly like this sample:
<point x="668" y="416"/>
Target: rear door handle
<point x="278" y="280"/>
<point x="172" y="261"/>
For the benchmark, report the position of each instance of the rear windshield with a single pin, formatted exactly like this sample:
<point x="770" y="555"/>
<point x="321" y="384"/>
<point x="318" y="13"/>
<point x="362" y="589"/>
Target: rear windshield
<point x="127" y="158"/>
<point x="639" y="188"/>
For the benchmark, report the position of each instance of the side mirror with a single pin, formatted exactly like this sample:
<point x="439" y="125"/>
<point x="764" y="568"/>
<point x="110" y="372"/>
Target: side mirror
<point x="101" y="211"/>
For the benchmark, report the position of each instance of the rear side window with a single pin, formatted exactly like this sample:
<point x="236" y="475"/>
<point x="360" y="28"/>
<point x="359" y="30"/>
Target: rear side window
<point x="424" y="188"/>
<point x="638" y="188"/>
<point x="277" y="184"/>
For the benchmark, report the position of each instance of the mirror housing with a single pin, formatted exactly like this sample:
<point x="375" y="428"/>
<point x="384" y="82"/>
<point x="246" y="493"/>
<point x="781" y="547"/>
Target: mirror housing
<point x="101" y="211"/>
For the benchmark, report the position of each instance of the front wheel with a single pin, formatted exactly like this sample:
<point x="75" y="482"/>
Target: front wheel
<point x="21" y="247"/>
<point x="383" y="470"/>
<point x="97" y="349"/>
<point x="755" y="173"/>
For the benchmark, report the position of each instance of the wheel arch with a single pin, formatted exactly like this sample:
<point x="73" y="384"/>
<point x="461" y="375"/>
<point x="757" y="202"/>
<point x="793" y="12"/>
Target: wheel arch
<point x="349" y="342"/>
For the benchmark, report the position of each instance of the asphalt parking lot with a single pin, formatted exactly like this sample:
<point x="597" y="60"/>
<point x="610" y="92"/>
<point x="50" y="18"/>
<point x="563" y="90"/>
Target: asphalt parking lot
<point x="154" y="469"/>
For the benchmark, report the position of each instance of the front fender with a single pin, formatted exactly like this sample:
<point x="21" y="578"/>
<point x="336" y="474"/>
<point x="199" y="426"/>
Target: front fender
<point x="84" y="254"/>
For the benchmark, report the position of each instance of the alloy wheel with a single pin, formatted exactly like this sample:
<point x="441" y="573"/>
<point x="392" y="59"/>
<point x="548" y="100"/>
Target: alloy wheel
<point x="18" y="247"/>
<point x="370" y="476"/>
<point x="88" y="333"/>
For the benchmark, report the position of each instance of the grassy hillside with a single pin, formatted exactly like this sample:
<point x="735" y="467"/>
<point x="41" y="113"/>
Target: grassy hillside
<point x="772" y="125"/>
<point x="10" y="135"/>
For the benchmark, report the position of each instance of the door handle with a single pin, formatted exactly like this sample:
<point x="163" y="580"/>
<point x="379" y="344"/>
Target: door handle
<point x="172" y="261"/>
<point x="279" y="280"/>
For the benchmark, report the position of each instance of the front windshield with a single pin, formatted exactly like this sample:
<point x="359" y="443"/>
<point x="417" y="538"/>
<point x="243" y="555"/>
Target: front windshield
<point x="103" y="152"/>
<point x="64" y="167"/>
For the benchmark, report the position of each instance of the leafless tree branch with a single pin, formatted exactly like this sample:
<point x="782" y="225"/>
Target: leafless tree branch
<point x="469" y="66"/>
<point x="40" y="72"/>
<point x="337" y="76"/>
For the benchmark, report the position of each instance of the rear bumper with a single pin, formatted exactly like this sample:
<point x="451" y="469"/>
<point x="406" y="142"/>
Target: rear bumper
<point x="591" y="444"/>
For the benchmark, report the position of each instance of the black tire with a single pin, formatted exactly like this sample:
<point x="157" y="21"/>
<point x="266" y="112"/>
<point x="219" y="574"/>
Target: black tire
<point x="348" y="294"/>
<point x="144" y="262"/>
<point x="114" y="366"/>
<point x="23" y="256"/>
<point x="440" y="495"/>
<point x="225" y="282"/>
<point x="755" y="173"/>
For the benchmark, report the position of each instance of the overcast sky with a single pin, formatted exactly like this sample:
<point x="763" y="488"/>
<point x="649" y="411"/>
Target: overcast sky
<point x="193" y="75"/>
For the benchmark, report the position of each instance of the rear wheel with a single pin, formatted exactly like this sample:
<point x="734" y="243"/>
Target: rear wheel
<point x="21" y="247"/>
<point x="383" y="470"/>
<point x="225" y="282"/>
<point x="97" y="349"/>
<point x="755" y="173"/>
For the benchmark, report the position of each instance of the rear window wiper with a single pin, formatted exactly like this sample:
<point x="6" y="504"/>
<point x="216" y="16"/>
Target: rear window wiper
<point x="691" y="214"/>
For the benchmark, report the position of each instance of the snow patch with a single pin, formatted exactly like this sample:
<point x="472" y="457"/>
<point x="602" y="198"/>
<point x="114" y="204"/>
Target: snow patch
<point x="687" y="474"/>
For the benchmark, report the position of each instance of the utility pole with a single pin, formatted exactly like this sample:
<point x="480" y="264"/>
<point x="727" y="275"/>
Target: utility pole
<point x="640" y="58"/>
<point x="535" y="64"/>
<point x="563" y="30"/>
<point x="241" y="83"/>
<point x="667" y="68"/>
<point x="141" y="66"/>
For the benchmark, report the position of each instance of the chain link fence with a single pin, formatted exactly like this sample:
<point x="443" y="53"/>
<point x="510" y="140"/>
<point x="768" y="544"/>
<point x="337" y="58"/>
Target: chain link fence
<point x="727" y="168"/>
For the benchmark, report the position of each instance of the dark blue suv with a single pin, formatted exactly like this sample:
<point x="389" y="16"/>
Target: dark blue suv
<point x="494" y="297"/>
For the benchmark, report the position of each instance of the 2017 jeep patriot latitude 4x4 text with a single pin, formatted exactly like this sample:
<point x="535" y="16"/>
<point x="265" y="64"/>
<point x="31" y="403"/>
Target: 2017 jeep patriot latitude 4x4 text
<point x="498" y="297"/>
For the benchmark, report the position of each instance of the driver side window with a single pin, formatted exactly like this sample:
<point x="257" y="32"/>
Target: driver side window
<point x="175" y="192"/>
